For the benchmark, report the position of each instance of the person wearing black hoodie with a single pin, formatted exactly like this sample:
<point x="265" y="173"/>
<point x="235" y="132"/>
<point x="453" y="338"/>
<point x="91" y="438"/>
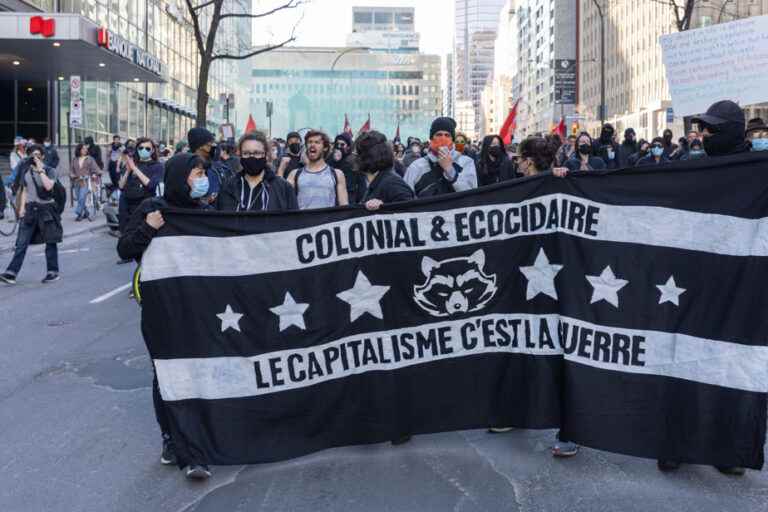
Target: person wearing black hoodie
<point x="629" y="147"/>
<point x="291" y="160"/>
<point x="494" y="165"/>
<point x="606" y="147"/>
<point x="657" y="156"/>
<point x="375" y="162"/>
<point x="583" y="159"/>
<point x="643" y="148"/>
<point x="186" y="184"/>
<point x="256" y="187"/>
<point x="95" y="151"/>
<point x="669" y="146"/>
<point x="341" y="158"/>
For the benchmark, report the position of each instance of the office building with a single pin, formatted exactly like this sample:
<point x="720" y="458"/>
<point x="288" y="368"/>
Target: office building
<point x="384" y="28"/>
<point x="137" y="63"/>
<point x="476" y="22"/>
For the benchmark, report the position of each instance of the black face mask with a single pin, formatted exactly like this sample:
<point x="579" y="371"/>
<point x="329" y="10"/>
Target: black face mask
<point x="643" y="152"/>
<point x="294" y="148"/>
<point x="253" y="166"/>
<point x="585" y="149"/>
<point x="496" y="151"/>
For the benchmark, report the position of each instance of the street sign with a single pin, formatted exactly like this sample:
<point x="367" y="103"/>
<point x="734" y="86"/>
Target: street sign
<point x="269" y="108"/>
<point x="565" y="81"/>
<point x="670" y="115"/>
<point x="75" y="102"/>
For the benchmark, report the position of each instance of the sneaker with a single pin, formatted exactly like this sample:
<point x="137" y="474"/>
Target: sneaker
<point x="124" y="262"/>
<point x="197" y="472"/>
<point x="565" y="449"/>
<point x="51" y="277"/>
<point x="667" y="465"/>
<point x="8" y="278"/>
<point x="500" y="430"/>
<point x="168" y="457"/>
<point x="731" y="470"/>
<point x="78" y="218"/>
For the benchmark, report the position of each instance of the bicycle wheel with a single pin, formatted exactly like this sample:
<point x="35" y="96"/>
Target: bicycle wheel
<point x="11" y="222"/>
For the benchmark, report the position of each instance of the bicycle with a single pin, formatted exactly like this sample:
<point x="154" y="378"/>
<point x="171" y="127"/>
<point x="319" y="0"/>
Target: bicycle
<point x="11" y="216"/>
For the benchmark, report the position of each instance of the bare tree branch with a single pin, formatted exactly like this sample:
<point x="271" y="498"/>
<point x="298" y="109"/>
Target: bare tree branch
<point x="291" y="4"/>
<point x="203" y="5"/>
<point x="196" y="28"/>
<point x="264" y="49"/>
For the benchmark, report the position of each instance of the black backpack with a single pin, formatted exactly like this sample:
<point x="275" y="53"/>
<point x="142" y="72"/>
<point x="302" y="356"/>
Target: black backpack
<point x="433" y="183"/>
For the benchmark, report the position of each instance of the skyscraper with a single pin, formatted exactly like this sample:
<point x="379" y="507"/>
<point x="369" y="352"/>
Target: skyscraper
<point x="474" y="38"/>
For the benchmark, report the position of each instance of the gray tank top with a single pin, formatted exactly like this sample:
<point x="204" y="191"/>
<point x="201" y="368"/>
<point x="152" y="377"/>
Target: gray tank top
<point x="316" y="189"/>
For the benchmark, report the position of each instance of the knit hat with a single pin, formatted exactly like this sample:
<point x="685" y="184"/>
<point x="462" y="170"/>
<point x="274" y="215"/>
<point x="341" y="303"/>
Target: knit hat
<point x="199" y="137"/>
<point x="443" y="124"/>
<point x="756" y="124"/>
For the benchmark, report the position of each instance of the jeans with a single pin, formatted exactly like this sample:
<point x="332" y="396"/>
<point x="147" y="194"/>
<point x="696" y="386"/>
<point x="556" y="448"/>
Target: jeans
<point x="24" y="237"/>
<point x="81" y="192"/>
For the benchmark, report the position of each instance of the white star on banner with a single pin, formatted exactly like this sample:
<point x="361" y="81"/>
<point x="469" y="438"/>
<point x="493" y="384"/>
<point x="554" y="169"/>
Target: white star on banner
<point x="541" y="277"/>
<point x="670" y="292"/>
<point x="290" y="313"/>
<point x="363" y="298"/>
<point x="606" y="287"/>
<point x="230" y="319"/>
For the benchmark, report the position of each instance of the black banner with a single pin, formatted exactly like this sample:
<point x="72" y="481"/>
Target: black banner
<point x="623" y="307"/>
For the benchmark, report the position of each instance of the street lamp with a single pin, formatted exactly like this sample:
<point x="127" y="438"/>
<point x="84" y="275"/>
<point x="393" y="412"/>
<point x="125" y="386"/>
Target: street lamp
<point x="602" y="61"/>
<point x="346" y="51"/>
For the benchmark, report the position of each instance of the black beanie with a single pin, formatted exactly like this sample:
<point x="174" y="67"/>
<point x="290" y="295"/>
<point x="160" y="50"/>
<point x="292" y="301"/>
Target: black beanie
<point x="443" y="124"/>
<point x="198" y="137"/>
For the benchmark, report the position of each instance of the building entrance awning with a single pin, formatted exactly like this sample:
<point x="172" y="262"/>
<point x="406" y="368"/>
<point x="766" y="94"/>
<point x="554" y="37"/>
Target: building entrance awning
<point x="55" y="46"/>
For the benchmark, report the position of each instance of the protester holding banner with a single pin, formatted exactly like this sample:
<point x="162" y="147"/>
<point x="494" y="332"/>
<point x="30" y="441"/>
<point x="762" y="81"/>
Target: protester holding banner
<point x="494" y="165"/>
<point x="375" y="160"/>
<point x="584" y="158"/>
<point x="657" y="155"/>
<point x="256" y="187"/>
<point x="186" y="184"/>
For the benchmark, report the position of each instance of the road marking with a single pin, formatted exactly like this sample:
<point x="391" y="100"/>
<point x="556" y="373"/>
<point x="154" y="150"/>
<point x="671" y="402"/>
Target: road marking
<point x="68" y="251"/>
<point x="111" y="294"/>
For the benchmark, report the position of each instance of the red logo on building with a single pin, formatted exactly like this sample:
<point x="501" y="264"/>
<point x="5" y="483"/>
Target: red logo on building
<point x="44" y="27"/>
<point x="103" y="37"/>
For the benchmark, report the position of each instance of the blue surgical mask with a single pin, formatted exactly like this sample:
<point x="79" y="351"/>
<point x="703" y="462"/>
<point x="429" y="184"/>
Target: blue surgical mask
<point x="657" y="151"/>
<point x="695" y="154"/>
<point x="610" y="154"/>
<point x="145" y="154"/>
<point x="199" y="187"/>
<point x="759" y="144"/>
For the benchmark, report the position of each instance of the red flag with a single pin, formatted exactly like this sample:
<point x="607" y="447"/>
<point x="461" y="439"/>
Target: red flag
<point x="251" y="125"/>
<point x="347" y="127"/>
<point x="508" y="128"/>
<point x="397" y="134"/>
<point x="560" y="129"/>
<point x="366" y="127"/>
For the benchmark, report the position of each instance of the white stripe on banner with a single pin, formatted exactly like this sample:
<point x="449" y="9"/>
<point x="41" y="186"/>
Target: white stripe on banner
<point x="180" y="256"/>
<point x="680" y="356"/>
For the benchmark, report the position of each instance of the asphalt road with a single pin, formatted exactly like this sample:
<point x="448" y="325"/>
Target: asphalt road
<point x="78" y="432"/>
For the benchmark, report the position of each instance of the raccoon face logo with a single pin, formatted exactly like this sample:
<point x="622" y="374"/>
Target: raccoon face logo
<point x="454" y="286"/>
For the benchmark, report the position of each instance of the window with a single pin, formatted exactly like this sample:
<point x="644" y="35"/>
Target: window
<point x="383" y="18"/>
<point x="363" y="17"/>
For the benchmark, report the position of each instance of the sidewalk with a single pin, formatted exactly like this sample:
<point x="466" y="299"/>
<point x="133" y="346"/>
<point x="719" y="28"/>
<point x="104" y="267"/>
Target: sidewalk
<point x="71" y="228"/>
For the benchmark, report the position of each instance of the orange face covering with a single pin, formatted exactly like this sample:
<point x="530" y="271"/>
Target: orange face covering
<point x="460" y="147"/>
<point x="440" y="141"/>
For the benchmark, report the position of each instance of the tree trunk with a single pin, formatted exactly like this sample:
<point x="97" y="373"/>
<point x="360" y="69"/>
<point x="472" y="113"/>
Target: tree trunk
<point x="202" y="91"/>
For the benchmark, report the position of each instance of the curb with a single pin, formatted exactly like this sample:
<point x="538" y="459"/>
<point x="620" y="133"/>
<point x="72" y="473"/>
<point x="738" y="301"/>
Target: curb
<point x="80" y="231"/>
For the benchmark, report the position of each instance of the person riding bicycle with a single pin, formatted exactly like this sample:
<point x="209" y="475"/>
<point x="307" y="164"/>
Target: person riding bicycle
<point x="139" y="181"/>
<point x="83" y="168"/>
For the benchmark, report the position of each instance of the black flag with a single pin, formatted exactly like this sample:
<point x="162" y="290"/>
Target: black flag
<point x="626" y="308"/>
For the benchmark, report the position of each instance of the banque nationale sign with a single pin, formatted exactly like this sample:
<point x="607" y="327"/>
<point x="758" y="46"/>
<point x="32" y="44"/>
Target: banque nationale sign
<point x="126" y="49"/>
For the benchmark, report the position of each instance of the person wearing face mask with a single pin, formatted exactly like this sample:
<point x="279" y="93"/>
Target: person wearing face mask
<point x="186" y="184"/>
<point x="203" y="144"/>
<point x="413" y="152"/>
<point x="51" y="158"/>
<point x="229" y="158"/>
<point x="464" y="147"/>
<point x="341" y="158"/>
<point x="566" y="150"/>
<point x="584" y="159"/>
<point x="375" y="160"/>
<point x="143" y="172"/>
<point x="494" y="165"/>
<point x="606" y="147"/>
<point x="399" y="155"/>
<point x="443" y="170"/>
<point x="681" y="151"/>
<point x="695" y="151"/>
<point x="629" y="147"/>
<point x="657" y="155"/>
<point x="256" y="187"/>
<point x="722" y="129"/>
<point x="292" y="158"/>
<point x="757" y="134"/>
<point x="643" y="148"/>
<point x="669" y="146"/>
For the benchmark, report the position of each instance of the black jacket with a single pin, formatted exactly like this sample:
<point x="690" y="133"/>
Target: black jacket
<point x="626" y="150"/>
<point x="603" y="148"/>
<point x="356" y="182"/>
<point x="574" y="163"/>
<point x="488" y="174"/>
<point x="138" y="234"/>
<point x="648" y="160"/>
<point x="277" y="193"/>
<point x="388" y="187"/>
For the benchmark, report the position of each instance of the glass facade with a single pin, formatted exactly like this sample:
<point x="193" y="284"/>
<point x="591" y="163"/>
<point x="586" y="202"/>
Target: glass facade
<point x="163" y="111"/>
<point x="473" y="56"/>
<point x="308" y="90"/>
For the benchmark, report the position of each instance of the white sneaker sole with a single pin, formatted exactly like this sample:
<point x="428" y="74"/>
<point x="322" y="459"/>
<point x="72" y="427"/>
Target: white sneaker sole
<point x="198" y="474"/>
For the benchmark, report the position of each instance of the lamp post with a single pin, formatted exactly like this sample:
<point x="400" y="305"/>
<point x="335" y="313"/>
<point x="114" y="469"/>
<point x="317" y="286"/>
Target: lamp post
<point x="602" y="61"/>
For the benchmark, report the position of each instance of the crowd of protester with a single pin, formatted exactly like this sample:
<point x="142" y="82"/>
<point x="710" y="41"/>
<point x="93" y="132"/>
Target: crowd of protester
<point x="314" y="171"/>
